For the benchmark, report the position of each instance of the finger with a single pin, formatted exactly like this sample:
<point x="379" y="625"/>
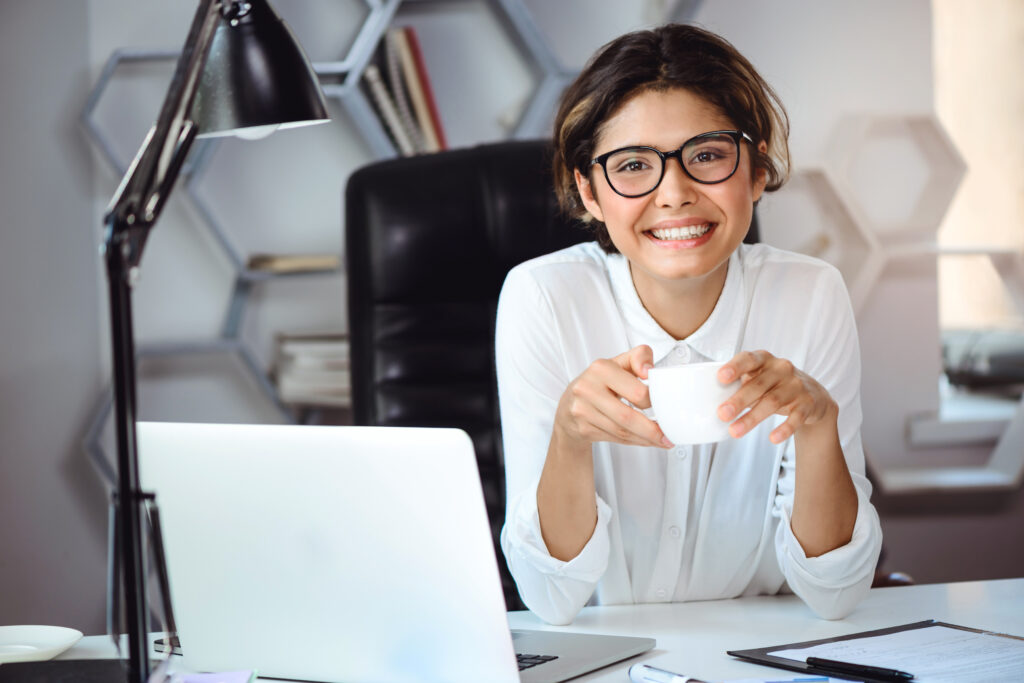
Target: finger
<point x="624" y="379"/>
<point x="598" y="404"/>
<point x="627" y="425"/>
<point x="743" y="363"/>
<point x="751" y="392"/>
<point x="616" y="375"/>
<point x="637" y="360"/>
<point x="772" y="403"/>
<point x="782" y="432"/>
<point x="637" y="425"/>
<point x="798" y="417"/>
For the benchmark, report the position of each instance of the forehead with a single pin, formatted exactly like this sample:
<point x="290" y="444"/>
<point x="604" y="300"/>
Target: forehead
<point x="660" y="118"/>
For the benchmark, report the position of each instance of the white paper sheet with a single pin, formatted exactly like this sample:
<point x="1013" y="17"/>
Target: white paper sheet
<point x="934" y="654"/>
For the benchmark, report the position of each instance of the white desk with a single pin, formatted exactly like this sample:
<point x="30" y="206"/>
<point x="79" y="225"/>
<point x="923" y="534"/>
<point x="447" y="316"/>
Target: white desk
<point x="693" y="637"/>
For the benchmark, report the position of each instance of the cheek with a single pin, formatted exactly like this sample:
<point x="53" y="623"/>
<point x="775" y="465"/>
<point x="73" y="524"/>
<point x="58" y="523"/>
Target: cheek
<point x="621" y="213"/>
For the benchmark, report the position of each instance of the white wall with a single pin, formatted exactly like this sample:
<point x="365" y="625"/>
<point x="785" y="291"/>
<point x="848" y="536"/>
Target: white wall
<point x="52" y="508"/>
<point x="826" y="59"/>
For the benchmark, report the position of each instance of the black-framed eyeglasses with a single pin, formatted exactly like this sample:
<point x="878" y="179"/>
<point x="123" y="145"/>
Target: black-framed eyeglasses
<point x="708" y="158"/>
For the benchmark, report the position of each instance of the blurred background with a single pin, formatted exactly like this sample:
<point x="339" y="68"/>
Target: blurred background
<point x="908" y="175"/>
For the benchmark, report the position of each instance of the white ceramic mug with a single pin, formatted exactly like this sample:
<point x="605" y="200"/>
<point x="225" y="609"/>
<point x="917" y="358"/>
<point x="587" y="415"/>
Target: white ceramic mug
<point x="685" y="401"/>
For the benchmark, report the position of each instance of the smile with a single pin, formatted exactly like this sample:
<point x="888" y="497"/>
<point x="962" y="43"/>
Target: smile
<point x="686" y="233"/>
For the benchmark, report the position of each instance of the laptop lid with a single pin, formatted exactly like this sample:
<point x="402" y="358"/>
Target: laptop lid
<point x="341" y="554"/>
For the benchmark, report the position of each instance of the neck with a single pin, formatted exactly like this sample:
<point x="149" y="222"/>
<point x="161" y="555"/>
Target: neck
<point x="680" y="307"/>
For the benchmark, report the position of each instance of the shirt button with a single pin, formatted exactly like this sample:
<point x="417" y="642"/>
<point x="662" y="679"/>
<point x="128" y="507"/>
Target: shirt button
<point x="661" y="593"/>
<point x="674" y="532"/>
<point x="682" y="351"/>
<point x="680" y="452"/>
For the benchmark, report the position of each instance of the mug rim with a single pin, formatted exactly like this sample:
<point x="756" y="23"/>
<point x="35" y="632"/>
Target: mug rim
<point x="703" y="363"/>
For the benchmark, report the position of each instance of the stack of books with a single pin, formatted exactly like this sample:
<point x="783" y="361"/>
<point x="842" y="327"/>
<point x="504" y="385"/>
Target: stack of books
<point x="398" y="85"/>
<point x="313" y="370"/>
<point x="293" y="263"/>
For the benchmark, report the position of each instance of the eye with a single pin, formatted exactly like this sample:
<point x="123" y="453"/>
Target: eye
<point x="706" y="156"/>
<point x="632" y="162"/>
<point x="632" y="166"/>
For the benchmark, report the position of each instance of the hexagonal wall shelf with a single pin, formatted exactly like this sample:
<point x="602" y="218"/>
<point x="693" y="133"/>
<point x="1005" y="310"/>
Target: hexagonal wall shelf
<point x="484" y="108"/>
<point x="1002" y="470"/>
<point x="117" y="130"/>
<point x="808" y="199"/>
<point x="331" y="32"/>
<point x="222" y="168"/>
<point x="189" y="374"/>
<point x="303" y="214"/>
<point x="124" y="103"/>
<point x="897" y="174"/>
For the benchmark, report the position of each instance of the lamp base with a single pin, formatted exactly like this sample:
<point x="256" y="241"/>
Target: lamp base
<point x="65" y="671"/>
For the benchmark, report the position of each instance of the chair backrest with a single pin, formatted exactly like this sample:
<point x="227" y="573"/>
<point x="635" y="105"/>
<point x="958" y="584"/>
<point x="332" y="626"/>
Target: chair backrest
<point x="429" y="240"/>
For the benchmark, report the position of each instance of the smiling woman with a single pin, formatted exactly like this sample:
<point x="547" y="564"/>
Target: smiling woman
<point x="663" y="144"/>
<point x="686" y="248"/>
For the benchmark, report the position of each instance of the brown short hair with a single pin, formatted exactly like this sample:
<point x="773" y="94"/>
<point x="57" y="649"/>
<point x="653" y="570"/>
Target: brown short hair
<point x="671" y="56"/>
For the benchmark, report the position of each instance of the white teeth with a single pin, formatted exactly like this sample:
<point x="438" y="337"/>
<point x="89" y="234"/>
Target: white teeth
<point x="687" y="233"/>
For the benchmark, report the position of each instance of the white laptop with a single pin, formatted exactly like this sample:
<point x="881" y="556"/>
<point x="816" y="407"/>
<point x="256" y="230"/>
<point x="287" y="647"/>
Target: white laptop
<point x="341" y="554"/>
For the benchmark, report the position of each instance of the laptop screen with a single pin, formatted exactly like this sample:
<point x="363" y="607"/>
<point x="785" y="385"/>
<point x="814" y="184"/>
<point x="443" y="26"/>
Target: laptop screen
<point x="328" y="553"/>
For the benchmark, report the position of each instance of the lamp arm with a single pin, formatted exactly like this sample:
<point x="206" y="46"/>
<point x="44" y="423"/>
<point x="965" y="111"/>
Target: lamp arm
<point x="132" y="213"/>
<point x="150" y="177"/>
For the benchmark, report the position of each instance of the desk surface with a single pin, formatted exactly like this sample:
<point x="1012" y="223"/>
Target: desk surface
<point x="693" y="636"/>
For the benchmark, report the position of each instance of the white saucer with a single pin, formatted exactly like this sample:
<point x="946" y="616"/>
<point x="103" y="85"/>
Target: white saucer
<point x="35" y="643"/>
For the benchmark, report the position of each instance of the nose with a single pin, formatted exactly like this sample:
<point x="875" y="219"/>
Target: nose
<point x="676" y="187"/>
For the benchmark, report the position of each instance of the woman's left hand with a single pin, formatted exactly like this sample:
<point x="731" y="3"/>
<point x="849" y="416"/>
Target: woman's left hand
<point x="773" y="386"/>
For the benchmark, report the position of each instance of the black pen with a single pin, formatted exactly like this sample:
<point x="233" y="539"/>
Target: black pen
<point x="859" y="669"/>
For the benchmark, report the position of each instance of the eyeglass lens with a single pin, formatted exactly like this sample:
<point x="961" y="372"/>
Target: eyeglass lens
<point x="638" y="170"/>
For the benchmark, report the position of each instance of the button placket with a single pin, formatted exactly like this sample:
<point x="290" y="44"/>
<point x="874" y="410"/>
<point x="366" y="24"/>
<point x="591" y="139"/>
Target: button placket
<point x="665" y="572"/>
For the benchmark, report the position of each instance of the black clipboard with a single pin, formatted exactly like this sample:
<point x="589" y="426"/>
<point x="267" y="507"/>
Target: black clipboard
<point x="760" y="655"/>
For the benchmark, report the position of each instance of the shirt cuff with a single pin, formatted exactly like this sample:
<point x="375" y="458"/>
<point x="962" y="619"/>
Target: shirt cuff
<point x="841" y="566"/>
<point x="832" y="583"/>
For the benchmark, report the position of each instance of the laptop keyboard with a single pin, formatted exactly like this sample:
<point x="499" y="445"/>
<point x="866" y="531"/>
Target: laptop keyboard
<point x="527" y="661"/>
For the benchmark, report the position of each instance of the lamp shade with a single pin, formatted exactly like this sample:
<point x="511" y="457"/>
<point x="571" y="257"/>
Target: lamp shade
<point x="256" y="77"/>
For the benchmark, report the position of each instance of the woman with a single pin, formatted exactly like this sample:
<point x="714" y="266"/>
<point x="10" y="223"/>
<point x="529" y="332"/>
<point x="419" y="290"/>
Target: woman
<point x="664" y="143"/>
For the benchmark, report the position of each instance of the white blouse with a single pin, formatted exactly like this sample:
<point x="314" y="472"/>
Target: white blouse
<point x="692" y="522"/>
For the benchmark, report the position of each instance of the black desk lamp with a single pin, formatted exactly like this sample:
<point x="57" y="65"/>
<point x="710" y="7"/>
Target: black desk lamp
<point x="242" y="72"/>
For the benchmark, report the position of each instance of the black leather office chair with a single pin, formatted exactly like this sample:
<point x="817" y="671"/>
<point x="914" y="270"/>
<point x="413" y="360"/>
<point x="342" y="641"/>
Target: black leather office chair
<point x="429" y="240"/>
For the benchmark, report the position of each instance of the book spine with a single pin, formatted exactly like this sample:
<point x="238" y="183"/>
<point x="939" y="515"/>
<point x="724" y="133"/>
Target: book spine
<point x="424" y="80"/>
<point x="399" y="89"/>
<point x="416" y="94"/>
<point x="387" y="110"/>
<point x="293" y="263"/>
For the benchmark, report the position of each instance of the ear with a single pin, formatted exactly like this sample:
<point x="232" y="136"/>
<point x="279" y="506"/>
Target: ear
<point x="760" y="175"/>
<point x="586" y="191"/>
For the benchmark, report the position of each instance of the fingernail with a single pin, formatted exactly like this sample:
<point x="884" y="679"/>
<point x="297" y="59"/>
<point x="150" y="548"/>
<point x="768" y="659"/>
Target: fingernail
<point x="726" y="412"/>
<point x="737" y="430"/>
<point x="726" y="374"/>
<point x="666" y="443"/>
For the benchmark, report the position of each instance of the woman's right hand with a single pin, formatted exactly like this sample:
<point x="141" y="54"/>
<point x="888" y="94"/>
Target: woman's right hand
<point x="591" y="408"/>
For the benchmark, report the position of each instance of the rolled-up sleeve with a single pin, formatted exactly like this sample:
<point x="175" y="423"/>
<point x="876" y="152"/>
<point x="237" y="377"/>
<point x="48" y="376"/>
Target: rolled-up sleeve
<point x="832" y="583"/>
<point x="554" y="590"/>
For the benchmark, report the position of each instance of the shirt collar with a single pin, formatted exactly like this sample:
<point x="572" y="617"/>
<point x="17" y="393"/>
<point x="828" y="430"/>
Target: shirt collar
<point x="717" y="339"/>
